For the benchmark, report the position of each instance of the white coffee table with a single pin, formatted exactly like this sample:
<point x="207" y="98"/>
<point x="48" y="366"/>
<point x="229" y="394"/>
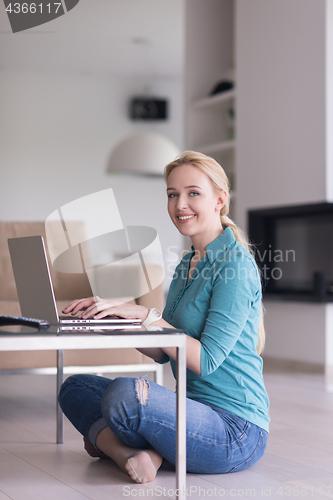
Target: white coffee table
<point x="27" y="340"/>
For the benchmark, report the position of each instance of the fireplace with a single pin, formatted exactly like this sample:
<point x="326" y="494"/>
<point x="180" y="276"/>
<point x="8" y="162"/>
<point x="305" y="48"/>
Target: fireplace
<point x="294" y="250"/>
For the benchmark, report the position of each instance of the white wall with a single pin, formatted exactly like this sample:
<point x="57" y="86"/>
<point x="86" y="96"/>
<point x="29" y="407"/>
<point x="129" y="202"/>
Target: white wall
<point x="283" y="89"/>
<point x="280" y="55"/>
<point x="295" y="332"/>
<point x="329" y="337"/>
<point x="56" y="133"/>
<point x="329" y="100"/>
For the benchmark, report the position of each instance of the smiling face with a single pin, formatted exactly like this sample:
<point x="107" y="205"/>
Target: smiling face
<point x="194" y="205"/>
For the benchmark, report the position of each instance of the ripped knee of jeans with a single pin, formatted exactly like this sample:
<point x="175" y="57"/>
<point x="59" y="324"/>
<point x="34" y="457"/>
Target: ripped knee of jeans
<point x="142" y="390"/>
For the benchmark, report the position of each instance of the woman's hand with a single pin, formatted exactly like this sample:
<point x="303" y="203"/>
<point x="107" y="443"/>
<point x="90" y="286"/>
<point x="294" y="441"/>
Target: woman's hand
<point x="82" y="305"/>
<point x="99" y="308"/>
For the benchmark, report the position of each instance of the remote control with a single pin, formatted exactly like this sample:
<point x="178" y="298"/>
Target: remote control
<point x="41" y="324"/>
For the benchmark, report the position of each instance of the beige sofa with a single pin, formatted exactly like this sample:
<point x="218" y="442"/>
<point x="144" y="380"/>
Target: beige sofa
<point x="67" y="287"/>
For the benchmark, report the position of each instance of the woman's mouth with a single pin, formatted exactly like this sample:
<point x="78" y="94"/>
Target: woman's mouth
<point x="183" y="219"/>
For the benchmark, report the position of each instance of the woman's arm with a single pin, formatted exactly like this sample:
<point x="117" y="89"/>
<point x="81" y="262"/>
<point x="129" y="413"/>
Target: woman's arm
<point x="193" y="349"/>
<point x="155" y="353"/>
<point x="193" y="354"/>
<point x="94" y="306"/>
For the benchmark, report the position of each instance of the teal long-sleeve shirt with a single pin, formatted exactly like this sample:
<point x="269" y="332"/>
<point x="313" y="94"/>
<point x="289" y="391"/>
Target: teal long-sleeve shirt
<point x="220" y="306"/>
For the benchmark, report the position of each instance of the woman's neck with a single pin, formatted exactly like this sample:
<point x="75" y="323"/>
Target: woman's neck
<point x="200" y="243"/>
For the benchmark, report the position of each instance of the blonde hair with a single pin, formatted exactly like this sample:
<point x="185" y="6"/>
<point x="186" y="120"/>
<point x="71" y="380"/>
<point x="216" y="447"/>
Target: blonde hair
<point x="220" y="182"/>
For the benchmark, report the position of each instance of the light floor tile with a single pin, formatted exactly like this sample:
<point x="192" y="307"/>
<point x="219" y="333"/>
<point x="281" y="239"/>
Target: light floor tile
<point x="298" y="461"/>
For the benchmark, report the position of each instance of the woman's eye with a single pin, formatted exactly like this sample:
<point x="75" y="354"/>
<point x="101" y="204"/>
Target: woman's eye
<point x="194" y="193"/>
<point x="171" y="195"/>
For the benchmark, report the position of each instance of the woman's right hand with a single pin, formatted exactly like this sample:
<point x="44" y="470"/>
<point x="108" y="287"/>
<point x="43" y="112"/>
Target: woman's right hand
<point x="83" y="304"/>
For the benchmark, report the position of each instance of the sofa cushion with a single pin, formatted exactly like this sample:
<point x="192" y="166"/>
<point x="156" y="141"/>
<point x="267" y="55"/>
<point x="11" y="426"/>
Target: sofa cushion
<point x="67" y="286"/>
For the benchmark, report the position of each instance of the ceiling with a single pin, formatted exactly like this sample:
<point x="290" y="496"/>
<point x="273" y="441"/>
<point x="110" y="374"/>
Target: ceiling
<point x="101" y="37"/>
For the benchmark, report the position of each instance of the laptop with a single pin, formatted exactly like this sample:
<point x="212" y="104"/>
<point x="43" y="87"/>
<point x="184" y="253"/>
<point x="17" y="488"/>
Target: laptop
<point x="35" y="289"/>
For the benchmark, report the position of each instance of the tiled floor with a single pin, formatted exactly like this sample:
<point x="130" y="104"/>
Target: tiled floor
<point x="298" y="461"/>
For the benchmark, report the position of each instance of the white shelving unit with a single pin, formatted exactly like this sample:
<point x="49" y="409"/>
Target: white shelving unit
<point x="219" y="104"/>
<point x="210" y="119"/>
<point x="218" y="147"/>
<point x="215" y="100"/>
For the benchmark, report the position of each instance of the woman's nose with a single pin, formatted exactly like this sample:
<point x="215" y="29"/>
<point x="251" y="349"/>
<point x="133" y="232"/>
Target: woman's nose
<point x="182" y="202"/>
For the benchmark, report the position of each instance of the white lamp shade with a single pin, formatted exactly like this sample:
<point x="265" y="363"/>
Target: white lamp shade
<point x="145" y="153"/>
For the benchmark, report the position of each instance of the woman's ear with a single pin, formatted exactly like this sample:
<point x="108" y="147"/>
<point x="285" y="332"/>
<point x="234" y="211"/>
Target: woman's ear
<point x="220" y="202"/>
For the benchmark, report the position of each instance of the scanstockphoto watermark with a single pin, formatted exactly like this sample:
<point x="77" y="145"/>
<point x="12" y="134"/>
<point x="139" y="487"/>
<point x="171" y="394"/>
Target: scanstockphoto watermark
<point x="305" y="491"/>
<point x="234" y="264"/>
<point x="191" y="491"/>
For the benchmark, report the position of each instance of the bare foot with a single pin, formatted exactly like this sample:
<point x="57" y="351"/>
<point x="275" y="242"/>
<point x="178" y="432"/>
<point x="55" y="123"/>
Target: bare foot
<point x="143" y="467"/>
<point x="91" y="450"/>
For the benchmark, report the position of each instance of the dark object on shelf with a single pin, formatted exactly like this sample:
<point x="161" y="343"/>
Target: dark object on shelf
<point x="222" y="86"/>
<point x="294" y="249"/>
<point x="319" y="286"/>
<point x="142" y="108"/>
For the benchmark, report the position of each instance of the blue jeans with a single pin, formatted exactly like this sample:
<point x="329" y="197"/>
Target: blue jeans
<point x="217" y="441"/>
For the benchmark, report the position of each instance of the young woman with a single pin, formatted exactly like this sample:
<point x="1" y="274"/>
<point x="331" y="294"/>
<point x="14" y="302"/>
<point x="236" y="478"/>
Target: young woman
<point x="215" y="295"/>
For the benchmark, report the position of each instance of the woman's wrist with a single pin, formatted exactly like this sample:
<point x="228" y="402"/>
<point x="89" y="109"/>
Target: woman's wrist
<point x="153" y="316"/>
<point x="144" y="314"/>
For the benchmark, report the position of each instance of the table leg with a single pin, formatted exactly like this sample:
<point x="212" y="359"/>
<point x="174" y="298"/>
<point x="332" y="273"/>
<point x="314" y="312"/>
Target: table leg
<point x="181" y="423"/>
<point x="60" y="379"/>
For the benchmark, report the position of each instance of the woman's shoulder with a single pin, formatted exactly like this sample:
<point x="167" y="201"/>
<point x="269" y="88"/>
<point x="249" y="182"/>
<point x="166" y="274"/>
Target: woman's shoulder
<point x="226" y="249"/>
<point x="237" y="265"/>
<point x="235" y="254"/>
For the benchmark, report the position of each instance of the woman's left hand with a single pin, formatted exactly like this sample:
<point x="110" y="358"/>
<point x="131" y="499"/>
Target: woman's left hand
<point x="125" y="310"/>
